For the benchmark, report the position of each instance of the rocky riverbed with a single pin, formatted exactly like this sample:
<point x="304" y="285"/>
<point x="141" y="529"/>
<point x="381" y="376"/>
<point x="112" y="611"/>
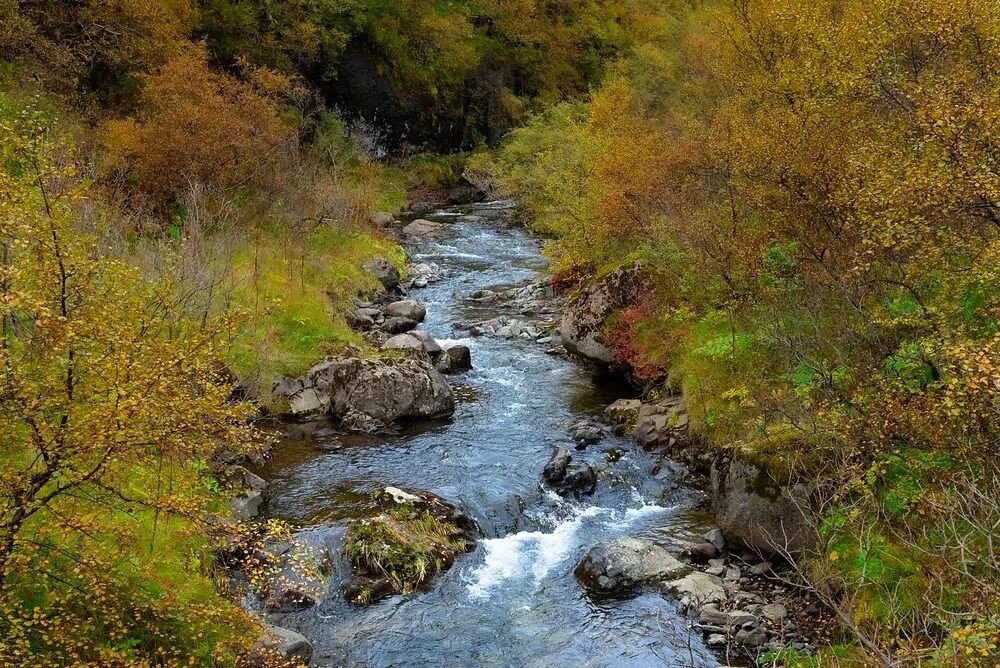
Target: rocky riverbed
<point x="471" y="496"/>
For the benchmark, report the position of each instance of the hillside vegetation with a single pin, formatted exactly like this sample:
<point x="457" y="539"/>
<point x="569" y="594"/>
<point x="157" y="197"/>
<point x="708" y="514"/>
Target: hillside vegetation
<point x="185" y="190"/>
<point x="813" y="189"/>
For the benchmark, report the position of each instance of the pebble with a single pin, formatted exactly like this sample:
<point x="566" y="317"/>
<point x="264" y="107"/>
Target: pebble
<point x="774" y="612"/>
<point x="716" y="538"/>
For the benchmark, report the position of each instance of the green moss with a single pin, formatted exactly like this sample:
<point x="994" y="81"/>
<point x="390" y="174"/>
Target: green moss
<point x="405" y="545"/>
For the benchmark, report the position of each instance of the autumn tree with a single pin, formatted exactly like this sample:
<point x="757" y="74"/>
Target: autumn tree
<point x="97" y="48"/>
<point x="197" y="126"/>
<point x="112" y="405"/>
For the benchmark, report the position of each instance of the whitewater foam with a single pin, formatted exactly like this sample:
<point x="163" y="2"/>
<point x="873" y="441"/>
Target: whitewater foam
<point x="537" y="552"/>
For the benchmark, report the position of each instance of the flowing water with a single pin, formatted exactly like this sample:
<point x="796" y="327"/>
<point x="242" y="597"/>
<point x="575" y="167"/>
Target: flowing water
<point x="514" y="600"/>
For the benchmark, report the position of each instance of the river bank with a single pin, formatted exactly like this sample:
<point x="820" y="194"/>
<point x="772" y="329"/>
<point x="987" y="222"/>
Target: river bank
<point x="516" y="593"/>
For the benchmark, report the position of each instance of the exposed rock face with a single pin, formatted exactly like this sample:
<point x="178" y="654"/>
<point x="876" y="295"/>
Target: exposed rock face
<point x="407" y="308"/>
<point x="597" y="301"/>
<point x="287" y="644"/>
<point x="753" y="509"/>
<point x="384" y="271"/>
<point x="425" y="229"/>
<point x="664" y="423"/>
<point x="623" y="565"/>
<point x="368" y="394"/>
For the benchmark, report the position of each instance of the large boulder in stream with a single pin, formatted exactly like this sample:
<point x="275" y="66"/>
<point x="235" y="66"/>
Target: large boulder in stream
<point x="568" y="477"/>
<point x="455" y="359"/>
<point x="425" y="229"/>
<point x="415" y="536"/>
<point x="368" y="394"/>
<point x="594" y="303"/>
<point x="624" y="565"/>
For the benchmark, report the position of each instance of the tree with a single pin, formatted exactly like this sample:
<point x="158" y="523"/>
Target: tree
<point x="111" y="407"/>
<point x="197" y="126"/>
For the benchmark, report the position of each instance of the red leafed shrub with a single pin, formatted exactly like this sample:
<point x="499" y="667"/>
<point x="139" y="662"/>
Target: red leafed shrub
<point x="622" y="338"/>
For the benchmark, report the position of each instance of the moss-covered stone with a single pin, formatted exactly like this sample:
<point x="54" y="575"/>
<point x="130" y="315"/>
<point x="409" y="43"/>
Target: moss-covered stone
<point x="415" y="537"/>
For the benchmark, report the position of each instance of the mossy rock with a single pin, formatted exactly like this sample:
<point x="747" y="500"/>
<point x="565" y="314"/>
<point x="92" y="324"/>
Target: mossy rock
<point x="415" y="537"/>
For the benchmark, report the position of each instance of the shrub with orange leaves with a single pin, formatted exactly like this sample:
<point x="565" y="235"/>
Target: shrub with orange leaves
<point x="197" y="126"/>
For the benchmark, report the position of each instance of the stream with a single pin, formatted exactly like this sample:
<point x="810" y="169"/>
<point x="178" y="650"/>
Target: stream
<point x="514" y="600"/>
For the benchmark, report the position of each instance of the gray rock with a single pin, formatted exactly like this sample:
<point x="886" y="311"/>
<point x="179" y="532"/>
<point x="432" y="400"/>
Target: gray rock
<point x="246" y="506"/>
<point x="431" y="347"/>
<point x="586" y="431"/>
<point x="580" y="478"/>
<point x="716" y="538"/>
<point x="595" y="302"/>
<point x="407" y="308"/>
<point x="359" y="321"/>
<point x="623" y="565"/>
<point x="421" y="208"/>
<point x="774" y="612"/>
<point x="376" y="337"/>
<point x="424" y="229"/>
<point x="699" y="588"/>
<point x="456" y="358"/>
<point x="405" y="341"/>
<point x="555" y="468"/>
<point x="701" y="551"/>
<point x="664" y="423"/>
<point x="762" y="568"/>
<point x="380" y="391"/>
<point x="369" y="312"/>
<point x="716" y="640"/>
<point x="381" y="219"/>
<point x="301" y="396"/>
<point x="398" y="325"/>
<point x="384" y="271"/>
<point x="623" y="411"/>
<point x="287" y="644"/>
<point x="754" y="637"/>
<point x="758" y="511"/>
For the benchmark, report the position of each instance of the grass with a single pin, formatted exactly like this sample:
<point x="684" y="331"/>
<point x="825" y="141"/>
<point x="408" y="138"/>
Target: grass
<point x="295" y="293"/>
<point x="405" y="545"/>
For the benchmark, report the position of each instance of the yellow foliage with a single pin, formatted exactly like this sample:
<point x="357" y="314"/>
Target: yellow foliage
<point x="113" y="403"/>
